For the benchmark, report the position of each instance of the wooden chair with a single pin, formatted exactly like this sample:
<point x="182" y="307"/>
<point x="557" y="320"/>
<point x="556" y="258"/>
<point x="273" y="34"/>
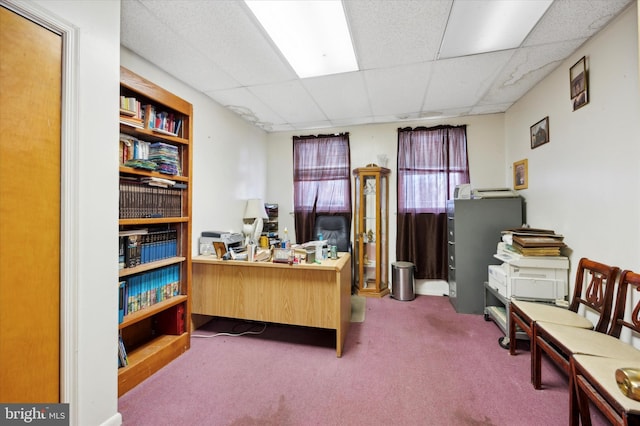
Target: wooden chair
<point x="595" y="296"/>
<point x="560" y="342"/>
<point x="592" y="378"/>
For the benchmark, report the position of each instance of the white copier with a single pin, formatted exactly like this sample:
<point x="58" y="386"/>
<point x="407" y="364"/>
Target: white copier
<point x="537" y="278"/>
<point x="541" y="279"/>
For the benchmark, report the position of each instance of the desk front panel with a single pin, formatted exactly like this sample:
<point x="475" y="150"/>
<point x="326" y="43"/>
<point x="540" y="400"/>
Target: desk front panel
<point x="288" y="295"/>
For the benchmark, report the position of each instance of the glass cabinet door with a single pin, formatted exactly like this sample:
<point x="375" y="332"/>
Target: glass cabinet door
<point x="371" y="228"/>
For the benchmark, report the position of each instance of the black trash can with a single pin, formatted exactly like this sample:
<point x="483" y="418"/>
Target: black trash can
<point x="402" y="283"/>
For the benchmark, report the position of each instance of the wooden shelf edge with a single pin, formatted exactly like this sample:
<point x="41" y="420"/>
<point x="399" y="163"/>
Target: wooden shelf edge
<point x="151" y="310"/>
<point x="151" y="265"/>
<point x="150" y="133"/>
<point x="153" y="220"/>
<point x="149" y="358"/>
<point x="146" y="173"/>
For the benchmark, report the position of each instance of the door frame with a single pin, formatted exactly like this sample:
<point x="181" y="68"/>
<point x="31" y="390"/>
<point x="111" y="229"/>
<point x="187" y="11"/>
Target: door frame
<point x="69" y="205"/>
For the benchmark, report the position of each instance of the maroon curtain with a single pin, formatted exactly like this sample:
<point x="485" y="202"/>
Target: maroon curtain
<point x="431" y="163"/>
<point x="321" y="180"/>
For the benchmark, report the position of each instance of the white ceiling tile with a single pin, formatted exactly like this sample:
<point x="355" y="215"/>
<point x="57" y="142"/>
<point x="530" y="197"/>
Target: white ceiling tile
<point x="340" y="95"/>
<point x="289" y="100"/>
<point x="225" y="32"/>
<point x="463" y="81"/>
<point x="574" y="19"/>
<point x="247" y="105"/>
<point x="526" y="69"/>
<point x="397" y="90"/>
<point x="390" y="33"/>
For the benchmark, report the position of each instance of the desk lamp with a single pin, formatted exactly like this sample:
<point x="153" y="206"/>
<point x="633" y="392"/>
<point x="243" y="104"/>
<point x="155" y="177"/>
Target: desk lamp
<point x="254" y="213"/>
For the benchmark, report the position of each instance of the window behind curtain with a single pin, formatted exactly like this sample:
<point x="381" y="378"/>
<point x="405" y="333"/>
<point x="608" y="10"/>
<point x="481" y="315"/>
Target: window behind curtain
<point x="431" y="163"/>
<point x="321" y="180"/>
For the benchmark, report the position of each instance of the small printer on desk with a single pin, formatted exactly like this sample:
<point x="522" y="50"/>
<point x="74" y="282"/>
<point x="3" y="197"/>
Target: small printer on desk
<point x="229" y="240"/>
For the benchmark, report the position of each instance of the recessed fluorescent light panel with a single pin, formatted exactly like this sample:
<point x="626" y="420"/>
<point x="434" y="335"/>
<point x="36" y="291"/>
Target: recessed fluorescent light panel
<point x="312" y="35"/>
<point x="481" y="26"/>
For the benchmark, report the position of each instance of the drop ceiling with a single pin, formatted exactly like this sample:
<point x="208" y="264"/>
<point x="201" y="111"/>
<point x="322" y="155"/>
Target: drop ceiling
<point x="218" y="48"/>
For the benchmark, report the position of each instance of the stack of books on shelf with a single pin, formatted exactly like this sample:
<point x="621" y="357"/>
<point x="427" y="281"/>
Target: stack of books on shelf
<point x="131" y="112"/>
<point x="533" y="241"/>
<point x="166" y="158"/>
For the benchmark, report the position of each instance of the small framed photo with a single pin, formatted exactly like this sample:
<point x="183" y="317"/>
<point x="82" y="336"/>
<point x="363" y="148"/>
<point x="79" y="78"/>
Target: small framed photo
<point x="540" y="133"/>
<point x="579" y="84"/>
<point x="521" y="174"/>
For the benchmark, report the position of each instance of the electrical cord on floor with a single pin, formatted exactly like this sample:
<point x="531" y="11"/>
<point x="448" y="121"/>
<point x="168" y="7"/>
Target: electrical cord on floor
<point x="234" y="334"/>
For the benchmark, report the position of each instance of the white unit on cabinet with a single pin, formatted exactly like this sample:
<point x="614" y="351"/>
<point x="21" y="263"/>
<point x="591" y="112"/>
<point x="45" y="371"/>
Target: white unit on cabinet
<point x="541" y="279"/>
<point x="474" y="229"/>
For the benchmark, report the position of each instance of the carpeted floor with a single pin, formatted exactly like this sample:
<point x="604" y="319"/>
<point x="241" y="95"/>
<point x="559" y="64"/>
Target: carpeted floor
<point x="358" y="308"/>
<point x="408" y="363"/>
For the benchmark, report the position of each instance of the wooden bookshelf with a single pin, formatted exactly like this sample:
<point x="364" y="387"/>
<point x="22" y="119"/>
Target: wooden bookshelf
<point x="159" y="332"/>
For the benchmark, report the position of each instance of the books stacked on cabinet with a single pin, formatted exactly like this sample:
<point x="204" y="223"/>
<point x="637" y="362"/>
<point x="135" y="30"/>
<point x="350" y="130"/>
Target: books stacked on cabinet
<point x="533" y="241"/>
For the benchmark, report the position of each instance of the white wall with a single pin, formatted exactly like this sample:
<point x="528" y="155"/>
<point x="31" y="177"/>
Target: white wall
<point x="585" y="183"/>
<point x="229" y="155"/>
<point x="486" y="147"/>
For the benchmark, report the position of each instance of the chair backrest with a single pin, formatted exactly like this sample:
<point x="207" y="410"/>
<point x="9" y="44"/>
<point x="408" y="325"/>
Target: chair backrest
<point x="334" y="228"/>
<point x="629" y="284"/>
<point x="594" y="288"/>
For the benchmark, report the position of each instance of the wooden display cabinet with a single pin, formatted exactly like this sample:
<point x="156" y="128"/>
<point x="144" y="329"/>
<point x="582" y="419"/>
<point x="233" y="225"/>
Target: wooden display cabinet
<point x="154" y="323"/>
<point x="371" y="226"/>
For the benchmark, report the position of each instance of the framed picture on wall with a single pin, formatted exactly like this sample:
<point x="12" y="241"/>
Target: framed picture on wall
<point x="579" y="84"/>
<point x="539" y="133"/>
<point x="521" y="174"/>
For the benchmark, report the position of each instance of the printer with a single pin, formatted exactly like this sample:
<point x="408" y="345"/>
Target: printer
<point x="535" y="278"/>
<point x="214" y="242"/>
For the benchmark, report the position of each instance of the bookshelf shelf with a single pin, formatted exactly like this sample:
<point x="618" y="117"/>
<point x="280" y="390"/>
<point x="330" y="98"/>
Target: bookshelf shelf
<point x="150" y="266"/>
<point x="150" y="311"/>
<point x="152" y="336"/>
<point x="138" y="172"/>
<point x="151" y="135"/>
<point x="148" y="358"/>
<point x="154" y="220"/>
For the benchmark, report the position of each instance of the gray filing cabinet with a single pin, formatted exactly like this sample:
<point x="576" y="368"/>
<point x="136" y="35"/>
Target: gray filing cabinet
<point x="474" y="229"/>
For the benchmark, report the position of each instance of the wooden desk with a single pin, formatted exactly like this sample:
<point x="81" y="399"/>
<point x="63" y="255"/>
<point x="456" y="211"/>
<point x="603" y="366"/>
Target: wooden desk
<point x="312" y="295"/>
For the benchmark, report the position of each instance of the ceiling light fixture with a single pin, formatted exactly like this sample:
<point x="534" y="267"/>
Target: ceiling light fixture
<point x="312" y="35"/>
<point x="482" y="26"/>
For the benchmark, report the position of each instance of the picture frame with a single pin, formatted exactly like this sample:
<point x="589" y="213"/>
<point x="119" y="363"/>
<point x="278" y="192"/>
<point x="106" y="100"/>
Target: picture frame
<point x="539" y="133"/>
<point x="579" y="84"/>
<point x="521" y="174"/>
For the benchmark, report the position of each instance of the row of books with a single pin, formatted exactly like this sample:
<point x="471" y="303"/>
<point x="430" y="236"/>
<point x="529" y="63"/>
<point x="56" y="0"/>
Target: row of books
<point x="140" y="246"/>
<point x="133" y="113"/>
<point x="140" y="199"/>
<point x="146" y="289"/>
<point x="123" y="360"/>
<point x="156" y="156"/>
<point x="534" y="241"/>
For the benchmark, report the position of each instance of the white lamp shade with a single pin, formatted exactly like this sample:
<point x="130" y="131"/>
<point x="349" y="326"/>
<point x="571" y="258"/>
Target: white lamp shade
<point x="255" y="212"/>
<point x="255" y="209"/>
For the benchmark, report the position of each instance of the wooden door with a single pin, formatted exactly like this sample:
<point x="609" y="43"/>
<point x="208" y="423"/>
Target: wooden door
<point x="30" y="105"/>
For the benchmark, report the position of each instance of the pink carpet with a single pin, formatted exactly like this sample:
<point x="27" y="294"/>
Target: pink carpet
<point x="408" y="363"/>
